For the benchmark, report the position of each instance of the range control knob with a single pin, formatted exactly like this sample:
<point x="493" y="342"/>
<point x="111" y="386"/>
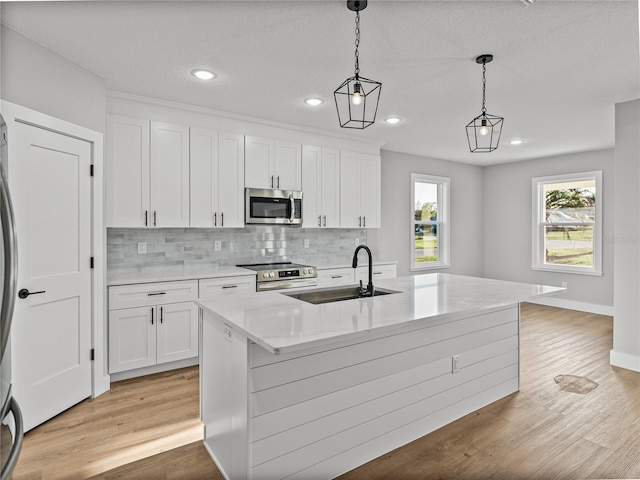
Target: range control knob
<point x="265" y="274"/>
<point x="304" y="271"/>
<point x="271" y="274"/>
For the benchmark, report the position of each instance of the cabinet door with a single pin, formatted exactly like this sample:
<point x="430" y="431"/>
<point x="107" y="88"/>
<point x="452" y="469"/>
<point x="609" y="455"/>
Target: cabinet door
<point x="311" y="186"/>
<point x="132" y="338"/>
<point x="258" y="162"/>
<point x="231" y="181"/>
<point x="330" y="191"/>
<point x="287" y="166"/>
<point x="177" y="332"/>
<point x="203" y="191"/>
<point x="369" y="190"/>
<point x="127" y="171"/>
<point x="169" y="175"/>
<point x="349" y="190"/>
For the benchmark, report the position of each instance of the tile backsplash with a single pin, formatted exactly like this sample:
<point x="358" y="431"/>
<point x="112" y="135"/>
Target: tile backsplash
<point x="169" y="247"/>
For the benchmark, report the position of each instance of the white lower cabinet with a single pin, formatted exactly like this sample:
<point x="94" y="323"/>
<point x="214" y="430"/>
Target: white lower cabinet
<point x="151" y="334"/>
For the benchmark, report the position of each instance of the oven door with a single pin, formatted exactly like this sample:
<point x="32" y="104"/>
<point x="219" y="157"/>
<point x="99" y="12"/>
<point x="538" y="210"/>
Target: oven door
<point x="264" y="206"/>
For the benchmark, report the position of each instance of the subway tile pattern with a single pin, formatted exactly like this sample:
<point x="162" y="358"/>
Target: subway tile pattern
<point x="175" y="247"/>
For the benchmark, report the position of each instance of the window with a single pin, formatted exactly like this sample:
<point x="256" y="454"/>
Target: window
<point x="429" y="221"/>
<point x="567" y="223"/>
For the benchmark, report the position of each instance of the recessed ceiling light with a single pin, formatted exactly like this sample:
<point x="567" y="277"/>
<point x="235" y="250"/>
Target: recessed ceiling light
<point x="515" y="142"/>
<point x="392" y="120"/>
<point x="314" y="102"/>
<point x="203" y="74"/>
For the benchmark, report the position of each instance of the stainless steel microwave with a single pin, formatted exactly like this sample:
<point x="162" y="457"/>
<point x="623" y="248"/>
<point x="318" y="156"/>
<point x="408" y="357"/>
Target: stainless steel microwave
<point x="273" y="206"/>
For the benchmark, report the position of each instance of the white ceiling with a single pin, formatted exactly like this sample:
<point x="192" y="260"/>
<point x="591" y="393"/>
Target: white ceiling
<point x="559" y="66"/>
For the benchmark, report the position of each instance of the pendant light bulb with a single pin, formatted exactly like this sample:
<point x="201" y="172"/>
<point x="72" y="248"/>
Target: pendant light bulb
<point x="484" y="129"/>
<point x="356" y="98"/>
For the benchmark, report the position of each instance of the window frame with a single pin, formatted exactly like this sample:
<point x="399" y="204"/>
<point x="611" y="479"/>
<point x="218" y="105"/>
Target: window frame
<point x="539" y="224"/>
<point x="443" y="185"/>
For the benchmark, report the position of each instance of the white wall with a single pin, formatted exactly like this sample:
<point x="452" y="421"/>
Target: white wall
<point x="38" y="78"/>
<point x="626" y="241"/>
<point x="393" y="240"/>
<point x="507" y="227"/>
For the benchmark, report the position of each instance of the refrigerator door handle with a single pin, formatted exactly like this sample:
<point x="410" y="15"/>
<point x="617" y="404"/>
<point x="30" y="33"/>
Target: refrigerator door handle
<point x="10" y="262"/>
<point x="12" y="459"/>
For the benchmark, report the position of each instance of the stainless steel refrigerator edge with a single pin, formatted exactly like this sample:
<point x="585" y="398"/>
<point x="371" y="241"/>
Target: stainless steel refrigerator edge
<point x="11" y="433"/>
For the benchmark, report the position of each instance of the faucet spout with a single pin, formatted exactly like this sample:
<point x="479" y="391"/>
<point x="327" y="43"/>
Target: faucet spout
<point x="364" y="292"/>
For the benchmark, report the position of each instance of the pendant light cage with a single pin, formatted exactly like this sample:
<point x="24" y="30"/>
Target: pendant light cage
<point x="357" y="97"/>
<point x="483" y="132"/>
<point x="362" y="115"/>
<point x="479" y="141"/>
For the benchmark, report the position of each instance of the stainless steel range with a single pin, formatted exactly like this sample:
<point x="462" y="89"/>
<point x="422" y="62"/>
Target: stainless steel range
<point x="283" y="275"/>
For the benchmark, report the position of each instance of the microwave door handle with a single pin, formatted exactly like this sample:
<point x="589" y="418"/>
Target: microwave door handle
<point x="293" y="208"/>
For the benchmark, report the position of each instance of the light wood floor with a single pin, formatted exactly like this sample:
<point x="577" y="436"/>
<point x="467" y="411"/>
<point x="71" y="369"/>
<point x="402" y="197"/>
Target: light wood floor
<point x="148" y="428"/>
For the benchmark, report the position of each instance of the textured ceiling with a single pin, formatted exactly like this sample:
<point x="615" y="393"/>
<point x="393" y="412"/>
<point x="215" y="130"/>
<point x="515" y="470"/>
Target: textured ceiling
<point x="559" y="67"/>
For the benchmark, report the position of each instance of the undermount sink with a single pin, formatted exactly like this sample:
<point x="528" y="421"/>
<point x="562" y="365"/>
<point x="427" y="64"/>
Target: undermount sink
<point x="328" y="295"/>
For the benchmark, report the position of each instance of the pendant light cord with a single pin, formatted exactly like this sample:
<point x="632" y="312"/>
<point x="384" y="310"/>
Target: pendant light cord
<point x="484" y="87"/>
<point x="357" y="42"/>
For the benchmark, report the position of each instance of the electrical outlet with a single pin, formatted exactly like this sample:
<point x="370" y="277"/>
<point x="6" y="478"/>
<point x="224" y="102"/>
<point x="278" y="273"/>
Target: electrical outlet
<point x="564" y="284"/>
<point x="217" y="245"/>
<point x="455" y="364"/>
<point x="306" y="243"/>
<point x="356" y="242"/>
<point x="142" y="247"/>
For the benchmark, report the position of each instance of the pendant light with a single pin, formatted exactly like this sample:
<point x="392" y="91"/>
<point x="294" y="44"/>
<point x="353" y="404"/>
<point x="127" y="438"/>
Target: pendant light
<point x="483" y="132"/>
<point x="357" y="98"/>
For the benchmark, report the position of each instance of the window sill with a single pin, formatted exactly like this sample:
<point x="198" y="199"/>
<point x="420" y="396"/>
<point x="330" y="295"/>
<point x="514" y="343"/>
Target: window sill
<point x="571" y="270"/>
<point x="434" y="266"/>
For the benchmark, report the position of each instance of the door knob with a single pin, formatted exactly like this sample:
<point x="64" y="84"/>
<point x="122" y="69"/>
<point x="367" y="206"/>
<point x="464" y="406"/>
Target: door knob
<point x="24" y="293"/>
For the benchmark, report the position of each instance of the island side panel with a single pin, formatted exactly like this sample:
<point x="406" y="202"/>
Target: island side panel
<point x="322" y="414"/>
<point x="224" y="395"/>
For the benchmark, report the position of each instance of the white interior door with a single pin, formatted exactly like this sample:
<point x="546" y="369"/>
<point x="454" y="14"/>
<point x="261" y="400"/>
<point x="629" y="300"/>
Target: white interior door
<point x="51" y="341"/>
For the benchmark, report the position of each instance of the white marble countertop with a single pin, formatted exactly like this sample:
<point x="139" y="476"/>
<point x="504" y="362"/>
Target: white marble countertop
<point x="166" y="274"/>
<point x="282" y="324"/>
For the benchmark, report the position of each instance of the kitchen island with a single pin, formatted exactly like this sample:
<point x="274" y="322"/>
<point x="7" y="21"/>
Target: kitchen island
<point x="291" y="389"/>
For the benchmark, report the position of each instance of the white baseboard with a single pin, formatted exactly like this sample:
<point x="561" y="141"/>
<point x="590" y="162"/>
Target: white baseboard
<point x="624" y="360"/>
<point x="163" y="367"/>
<point x="574" y="305"/>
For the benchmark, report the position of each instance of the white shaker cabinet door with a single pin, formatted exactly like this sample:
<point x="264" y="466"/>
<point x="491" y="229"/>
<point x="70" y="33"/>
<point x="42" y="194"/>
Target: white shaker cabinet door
<point x="369" y="191"/>
<point x="203" y="191"/>
<point x="259" y="162"/>
<point x="132" y="338"/>
<point x="127" y="171"/>
<point x="350" y="216"/>
<point x="231" y="181"/>
<point x="177" y="331"/>
<point x="311" y="186"/>
<point x="169" y="175"/>
<point x="330" y="191"/>
<point x="287" y="170"/>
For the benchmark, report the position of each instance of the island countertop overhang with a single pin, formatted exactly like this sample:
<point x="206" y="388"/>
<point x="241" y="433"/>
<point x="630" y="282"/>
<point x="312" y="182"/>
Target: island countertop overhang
<point x="282" y="324"/>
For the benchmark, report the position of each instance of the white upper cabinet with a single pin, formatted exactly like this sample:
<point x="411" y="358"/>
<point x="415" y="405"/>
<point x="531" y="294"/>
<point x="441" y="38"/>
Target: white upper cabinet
<point x="127" y="171"/>
<point x="217" y="179"/>
<point x="359" y="190"/>
<point x="169" y="175"/>
<point x="320" y="187"/>
<point x="147" y="173"/>
<point x="272" y="164"/>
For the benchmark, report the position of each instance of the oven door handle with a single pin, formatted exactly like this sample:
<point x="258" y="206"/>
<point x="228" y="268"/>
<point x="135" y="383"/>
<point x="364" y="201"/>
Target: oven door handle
<point x="284" y="285"/>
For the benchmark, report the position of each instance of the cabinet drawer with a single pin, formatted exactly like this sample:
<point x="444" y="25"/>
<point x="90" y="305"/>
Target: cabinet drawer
<point x="379" y="271"/>
<point x="147" y="294"/>
<point x="335" y="276"/>
<point x="212" y="287"/>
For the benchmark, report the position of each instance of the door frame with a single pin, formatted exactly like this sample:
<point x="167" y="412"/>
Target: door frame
<point x="13" y="113"/>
